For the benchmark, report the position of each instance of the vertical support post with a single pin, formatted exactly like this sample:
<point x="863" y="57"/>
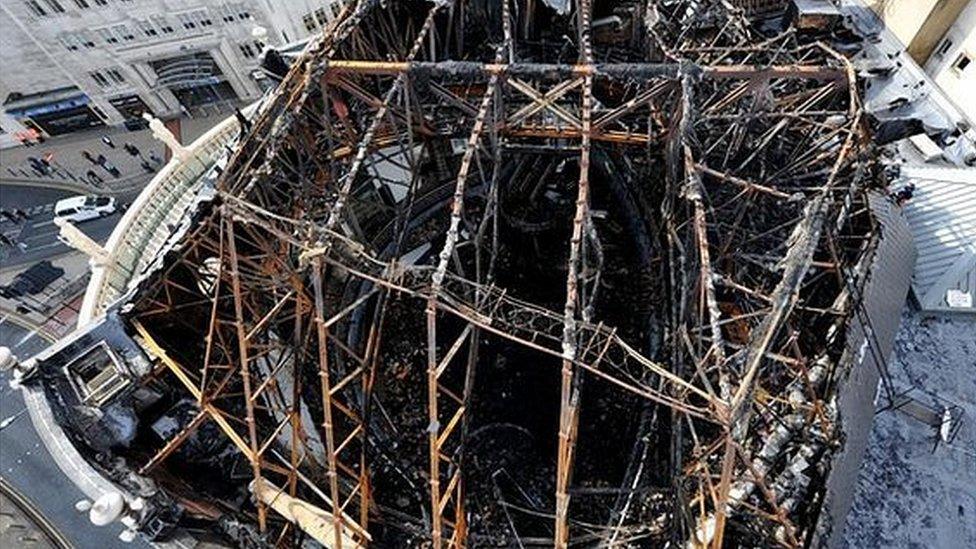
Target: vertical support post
<point x="244" y="357"/>
<point x="321" y="332"/>
<point x="569" y="390"/>
<point x="435" y="367"/>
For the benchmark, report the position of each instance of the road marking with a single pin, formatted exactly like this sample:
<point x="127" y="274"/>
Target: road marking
<point x="32" y="249"/>
<point x="24" y="339"/>
<point x="46" y="235"/>
<point x="43" y="223"/>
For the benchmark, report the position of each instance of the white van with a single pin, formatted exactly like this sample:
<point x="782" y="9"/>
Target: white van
<point x="83" y="208"/>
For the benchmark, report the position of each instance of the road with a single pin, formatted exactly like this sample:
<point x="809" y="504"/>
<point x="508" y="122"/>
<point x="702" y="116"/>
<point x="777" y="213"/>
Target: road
<point x="25" y="463"/>
<point x="26" y="197"/>
<point x="39" y="232"/>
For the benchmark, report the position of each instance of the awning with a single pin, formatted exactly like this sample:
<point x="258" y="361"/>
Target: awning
<point x="65" y="104"/>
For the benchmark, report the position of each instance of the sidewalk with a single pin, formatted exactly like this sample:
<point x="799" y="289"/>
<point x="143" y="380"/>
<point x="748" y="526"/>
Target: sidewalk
<point x="69" y="166"/>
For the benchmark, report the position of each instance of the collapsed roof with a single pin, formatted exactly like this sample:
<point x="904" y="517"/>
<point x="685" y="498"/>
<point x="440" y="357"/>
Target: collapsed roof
<point x="494" y="273"/>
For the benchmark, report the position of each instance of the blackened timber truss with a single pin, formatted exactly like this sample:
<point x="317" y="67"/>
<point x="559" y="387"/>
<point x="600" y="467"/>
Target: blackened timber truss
<point x="368" y="213"/>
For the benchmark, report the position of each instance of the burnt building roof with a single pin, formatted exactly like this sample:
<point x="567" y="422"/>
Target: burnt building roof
<point x="493" y="274"/>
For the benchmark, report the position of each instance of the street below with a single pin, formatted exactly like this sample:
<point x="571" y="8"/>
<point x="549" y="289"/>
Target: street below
<point x="26" y="464"/>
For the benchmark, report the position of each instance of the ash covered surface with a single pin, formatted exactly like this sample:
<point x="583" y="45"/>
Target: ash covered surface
<point x="907" y="495"/>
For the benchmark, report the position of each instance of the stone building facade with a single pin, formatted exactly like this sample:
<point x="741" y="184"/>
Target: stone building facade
<point x="75" y="64"/>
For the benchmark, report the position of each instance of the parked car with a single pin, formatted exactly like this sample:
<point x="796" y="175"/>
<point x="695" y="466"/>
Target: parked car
<point x="82" y="208"/>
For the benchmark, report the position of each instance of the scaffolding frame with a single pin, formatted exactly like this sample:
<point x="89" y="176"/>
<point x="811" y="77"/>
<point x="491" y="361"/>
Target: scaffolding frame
<point x="739" y="366"/>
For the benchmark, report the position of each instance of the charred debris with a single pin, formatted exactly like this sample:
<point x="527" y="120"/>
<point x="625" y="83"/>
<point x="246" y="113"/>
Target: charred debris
<point x="498" y="273"/>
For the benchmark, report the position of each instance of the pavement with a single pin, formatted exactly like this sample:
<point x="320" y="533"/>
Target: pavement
<point x="68" y="166"/>
<point x="22" y="525"/>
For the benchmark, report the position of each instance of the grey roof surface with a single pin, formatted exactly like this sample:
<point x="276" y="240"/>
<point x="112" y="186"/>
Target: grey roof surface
<point x="942" y="215"/>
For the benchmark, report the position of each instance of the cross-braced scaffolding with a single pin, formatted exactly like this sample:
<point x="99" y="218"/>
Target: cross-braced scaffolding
<point x="486" y="274"/>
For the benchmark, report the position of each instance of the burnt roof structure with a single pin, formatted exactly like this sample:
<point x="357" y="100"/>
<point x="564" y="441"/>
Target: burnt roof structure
<point x="499" y="273"/>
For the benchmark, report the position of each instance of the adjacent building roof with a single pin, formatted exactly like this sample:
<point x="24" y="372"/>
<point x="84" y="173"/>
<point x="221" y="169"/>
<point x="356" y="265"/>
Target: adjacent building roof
<point x="942" y="215"/>
<point x="937" y="159"/>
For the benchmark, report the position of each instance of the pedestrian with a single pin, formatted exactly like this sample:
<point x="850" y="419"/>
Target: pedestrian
<point x="108" y="141"/>
<point x="88" y="156"/>
<point x="100" y="160"/>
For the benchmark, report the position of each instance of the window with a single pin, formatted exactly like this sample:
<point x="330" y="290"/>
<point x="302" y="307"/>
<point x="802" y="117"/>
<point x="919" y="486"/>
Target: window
<point x="86" y="39"/>
<point x="108" y="78"/>
<point x="962" y="62"/>
<point x="35" y="8"/>
<point x="203" y="18"/>
<point x="96" y="376"/>
<point x="55" y="6"/>
<point x="314" y="20"/>
<point x="944" y="47"/>
<point x="116" y="76"/>
<point x="186" y="20"/>
<point x="147" y="28"/>
<point x="71" y="42"/>
<point x="83" y="4"/>
<point x="162" y="23"/>
<point x="251" y="49"/>
<point x="99" y="79"/>
<point x="107" y="36"/>
<point x="123" y="32"/>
